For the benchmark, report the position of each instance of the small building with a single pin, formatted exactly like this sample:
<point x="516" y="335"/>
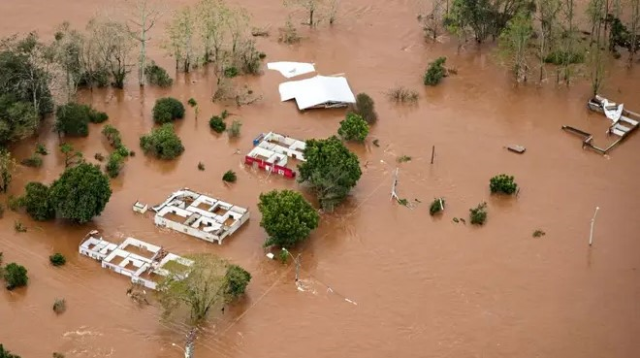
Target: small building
<point x="271" y="152"/>
<point x="144" y="263"/>
<point x="139" y="207"/>
<point x="200" y="216"/>
<point x="318" y="92"/>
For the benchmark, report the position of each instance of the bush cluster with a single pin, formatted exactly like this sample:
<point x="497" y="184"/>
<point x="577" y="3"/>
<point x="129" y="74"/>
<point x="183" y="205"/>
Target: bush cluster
<point x="162" y="143"/>
<point x="167" y="110"/>
<point x="73" y="119"/>
<point x="353" y="128"/>
<point x="57" y="259"/>
<point x="157" y="75"/>
<point x="437" y="205"/>
<point x="436" y="72"/>
<point x="365" y="108"/>
<point x="478" y="215"/>
<point x="504" y="184"/>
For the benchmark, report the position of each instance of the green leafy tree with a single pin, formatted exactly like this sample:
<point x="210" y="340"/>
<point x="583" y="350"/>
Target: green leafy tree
<point x="6" y="354"/>
<point x="365" y="107"/>
<point x="436" y="72"/>
<point x="198" y="288"/>
<point x="478" y="215"/>
<point x="73" y="119"/>
<point x="503" y="183"/>
<point x="15" y="276"/>
<point x="37" y="202"/>
<point x="236" y="281"/>
<point x="286" y="217"/>
<point x="18" y="119"/>
<point x="114" y="164"/>
<point x="162" y="142"/>
<point x="229" y="176"/>
<point x="330" y="169"/>
<point x="167" y="110"/>
<point x="80" y="193"/>
<point x="6" y="167"/>
<point x="514" y="42"/>
<point x="71" y="156"/>
<point x="353" y="128"/>
<point x="57" y="259"/>
<point x="113" y="135"/>
<point x="157" y="75"/>
<point x="217" y="124"/>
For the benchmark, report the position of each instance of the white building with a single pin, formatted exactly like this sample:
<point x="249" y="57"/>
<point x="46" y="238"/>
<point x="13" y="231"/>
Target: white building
<point x="201" y="216"/>
<point x="272" y="150"/>
<point x="318" y="92"/>
<point x="145" y="263"/>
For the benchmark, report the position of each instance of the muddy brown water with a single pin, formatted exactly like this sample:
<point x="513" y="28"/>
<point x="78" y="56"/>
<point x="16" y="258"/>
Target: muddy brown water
<point x="422" y="286"/>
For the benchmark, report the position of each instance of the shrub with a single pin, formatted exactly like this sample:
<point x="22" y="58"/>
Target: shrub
<point x="157" y="75"/>
<point x="436" y="206"/>
<point x="57" y="259"/>
<point x="97" y="116"/>
<point x="262" y="55"/>
<point x="15" y="276"/>
<point x="34" y="161"/>
<point x="192" y="102"/>
<point x="229" y="176"/>
<point x="478" y="215"/>
<point x="365" y="108"/>
<point x="403" y="159"/>
<point x="435" y="72"/>
<point x="167" y="109"/>
<point x="539" y="233"/>
<point x="72" y="119"/>
<point x="99" y="157"/>
<point x="132" y="153"/>
<point x="15" y="203"/>
<point x="200" y="166"/>
<point x="217" y="124"/>
<point x="234" y="129"/>
<point x="236" y="281"/>
<point x="37" y="202"/>
<point x="19" y="227"/>
<point x="402" y="95"/>
<point x="114" y="164"/>
<point x="561" y="57"/>
<point x="40" y="149"/>
<point x="162" y="143"/>
<point x="503" y="184"/>
<point x="122" y="151"/>
<point x="113" y="135"/>
<point x="230" y="72"/>
<point x="353" y="128"/>
<point x="59" y="306"/>
<point x="57" y="355"/>
<point x="224" y="114"/>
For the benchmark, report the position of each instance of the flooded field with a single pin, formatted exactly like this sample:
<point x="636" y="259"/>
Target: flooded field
<point x="380" y="279"/>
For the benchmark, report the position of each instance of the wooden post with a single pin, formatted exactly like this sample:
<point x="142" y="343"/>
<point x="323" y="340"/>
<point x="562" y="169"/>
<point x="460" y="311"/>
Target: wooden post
<point x="593" y="221"/>
<point x="433" y="153"/>
<point x="297" y="267"/>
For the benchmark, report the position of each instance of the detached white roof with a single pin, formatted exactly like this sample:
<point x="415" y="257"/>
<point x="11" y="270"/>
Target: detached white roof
<point x="291" y="69"/>
<point x="317" y="91"/>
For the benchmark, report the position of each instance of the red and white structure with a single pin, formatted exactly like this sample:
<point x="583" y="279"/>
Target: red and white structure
<point x="271" y="153"/>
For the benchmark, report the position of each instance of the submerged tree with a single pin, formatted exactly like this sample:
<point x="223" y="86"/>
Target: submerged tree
<point x="143" y="15"/>
<point x="286" y="217"/>
<point x="37" y="203"/>
<point x="198" y="288"/>
<point x="548" y="25"/>
<point x="330" y="169"/>
<point x="15" y="276"/>
<point x="514" y="42"/>
<point x="432" y="18"/>
<point x="115" y="47"/>
<point x="634" y="29"/>
<point x="6" y="167"/>
<point x="181" y="39"/>
<point x="6" y="354"/>
<point x="597" y="57"/>
<point x="80" y="193"/>
<point x="486" y="17"/>
<point x="66" y="50"/>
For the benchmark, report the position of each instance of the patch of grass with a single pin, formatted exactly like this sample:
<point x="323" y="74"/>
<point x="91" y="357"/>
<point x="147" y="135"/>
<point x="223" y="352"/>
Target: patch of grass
<point x="34" y="161"/>
<point x="200" y="166"/>
<point x="478" y="215"/>
<point x="57" y="259"/>
<point x="539" y="233"/>
<point x="404" y="159"/>
<point x="40" y="149"/>
<point x="59" y="305"/>
<point x="19" y="227"/>
<point x="402" y="95"/>
<point x="229" y="176"/>
<point x="436" y="206"/>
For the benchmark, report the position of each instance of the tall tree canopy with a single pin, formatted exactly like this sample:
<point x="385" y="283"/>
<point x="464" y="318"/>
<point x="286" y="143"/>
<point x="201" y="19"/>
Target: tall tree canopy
<point x="286" y="217"/>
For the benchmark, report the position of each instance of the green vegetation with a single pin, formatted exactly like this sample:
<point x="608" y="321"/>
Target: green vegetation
<point x="436" y="72"/>
<point x="37" y="202"/>
<point x="41" y="149"/>
<point x="539" y="233"/>
<point x="72" y="119"/>
<point x="113" y="136"/>
<point x="18" y="119"/>
<point x="19" y="226"/>
<point x="353" y="128"/>
<point x="200" y="166"/>
<point x="485" y="18"/>
<point x="157" y="75"/>
<point x="59" y="306"/>
<point x="402" y="95"/>
<point x="365" y="108"/>
<point x="286" y="217"/>
<point x="478" y="215"/>
<point x="57" y="259"/>
<point x="217" y="124"/>
<point x="331" y="170"/>
<point x="34" y="161"/>
<point x="167" y="110"/>
<point x="231" y="72"/>
<point x="162" y="143"/>
<point x="560" y="57"/>
<point x="15" y="276"/>
<point x="6" y="167"/>
<point x="229" y="176"/>
<point x="211" y="283"/>
<point x="6" y="354"/>
<point x="71" y="156"/>
<point x="503" y="183"/>
<point x="437" y="205"/>
<point x="403" y="159"/>
<point x="115" y="164"/>
<point x="234" y="129"/>
<point x="80" y="193"/>
<point x="236" y="281"/>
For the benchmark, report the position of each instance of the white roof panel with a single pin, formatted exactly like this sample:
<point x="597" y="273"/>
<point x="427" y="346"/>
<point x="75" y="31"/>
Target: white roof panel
<point x="315" y="91"/>
<point x="291" y="69"/>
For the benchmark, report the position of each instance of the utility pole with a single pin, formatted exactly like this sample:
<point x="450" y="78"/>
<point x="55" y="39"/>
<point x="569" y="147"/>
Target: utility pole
<point x="593" y="221"/>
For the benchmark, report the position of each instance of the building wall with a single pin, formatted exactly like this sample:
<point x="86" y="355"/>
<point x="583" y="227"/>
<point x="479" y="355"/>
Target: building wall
<point x="261" y="164"/>
<point x="160" y="221"/>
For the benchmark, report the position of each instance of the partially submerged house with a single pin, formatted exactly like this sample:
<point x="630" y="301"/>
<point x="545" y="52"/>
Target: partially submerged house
<point x="271" y="152"/>
<point x="145" y="263"/>
<point x="291" y="69"/>
<point x="318" y="92"/>
<point x="200" y="216"/>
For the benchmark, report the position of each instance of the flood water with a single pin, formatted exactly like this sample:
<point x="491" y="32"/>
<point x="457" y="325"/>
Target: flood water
<point x="381" y="280"/>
